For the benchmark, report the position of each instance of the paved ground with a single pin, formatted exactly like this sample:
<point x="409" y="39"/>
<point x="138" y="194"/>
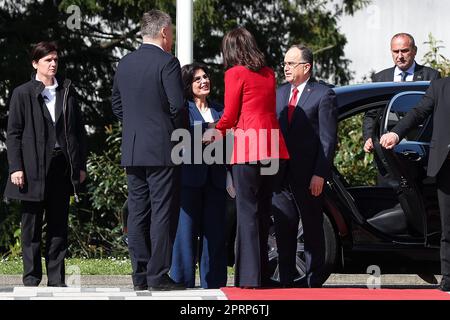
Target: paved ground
<point x="335" y="280"/>
<point x="109" y="293"/>
<point x="120" y="288"/>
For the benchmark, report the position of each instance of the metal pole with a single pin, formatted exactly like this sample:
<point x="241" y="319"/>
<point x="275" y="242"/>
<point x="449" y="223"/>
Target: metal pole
<point x="184" y="50"/>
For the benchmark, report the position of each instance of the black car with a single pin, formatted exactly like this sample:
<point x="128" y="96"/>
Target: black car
<point x="392" y="226"/>
<point x="395" y="226"/>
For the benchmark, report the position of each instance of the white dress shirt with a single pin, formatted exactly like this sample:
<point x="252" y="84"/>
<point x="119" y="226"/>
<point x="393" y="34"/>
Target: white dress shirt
<point x="300" y="89"/>
<point x="207" y="115"/>
<point x="409" y="77"/>
<point x="49" y="95"/>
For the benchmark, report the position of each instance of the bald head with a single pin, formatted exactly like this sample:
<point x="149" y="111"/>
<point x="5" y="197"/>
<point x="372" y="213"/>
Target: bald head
<point x="403" y="50"/>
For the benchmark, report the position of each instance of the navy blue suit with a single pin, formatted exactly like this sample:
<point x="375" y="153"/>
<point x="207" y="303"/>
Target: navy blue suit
<point x="202" y="215"/>
<point x="148" y="98"/>
<point x="311" y="140"/>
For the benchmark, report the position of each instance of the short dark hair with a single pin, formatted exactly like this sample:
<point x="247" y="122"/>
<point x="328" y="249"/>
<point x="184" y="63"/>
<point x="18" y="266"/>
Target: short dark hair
<point x="239" y="48"/>
<point x="42" y="49"/>
<point x="307" y="54"/>
<point x="153" y="21"/>
<point x="407" y="35"/>
<point x="187" y="74"/>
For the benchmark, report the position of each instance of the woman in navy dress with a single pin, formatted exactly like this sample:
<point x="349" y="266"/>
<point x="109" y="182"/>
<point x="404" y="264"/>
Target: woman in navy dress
<point x="201" y="226"/>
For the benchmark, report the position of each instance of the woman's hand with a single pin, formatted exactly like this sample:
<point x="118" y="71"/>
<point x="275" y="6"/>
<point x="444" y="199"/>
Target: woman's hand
<point x="212" y="125"/>
<point x="18" y="178"/>
<point x="210" y="135"/>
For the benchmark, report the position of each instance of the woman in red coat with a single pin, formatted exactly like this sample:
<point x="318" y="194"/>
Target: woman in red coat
<point x="250" y="113"/>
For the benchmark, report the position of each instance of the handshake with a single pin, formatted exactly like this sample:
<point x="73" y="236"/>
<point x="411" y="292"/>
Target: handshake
<point x="211" y="134"/>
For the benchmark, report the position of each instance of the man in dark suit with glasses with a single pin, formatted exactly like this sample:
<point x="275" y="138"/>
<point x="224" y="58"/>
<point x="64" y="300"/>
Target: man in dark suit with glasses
<point x="307" y="115"/>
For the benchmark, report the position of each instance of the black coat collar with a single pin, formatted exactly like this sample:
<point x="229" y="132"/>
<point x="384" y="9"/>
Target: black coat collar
<point x="38" y="87"/>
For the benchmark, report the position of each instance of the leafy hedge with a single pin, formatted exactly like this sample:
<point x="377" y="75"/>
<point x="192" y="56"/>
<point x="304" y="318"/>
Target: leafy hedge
<point x="352" y="162"/>
<point x="97" y="221"/>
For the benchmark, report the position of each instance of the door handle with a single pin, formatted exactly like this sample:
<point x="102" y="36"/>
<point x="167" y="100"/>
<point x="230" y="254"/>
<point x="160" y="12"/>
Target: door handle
<point x="412" y="155"/>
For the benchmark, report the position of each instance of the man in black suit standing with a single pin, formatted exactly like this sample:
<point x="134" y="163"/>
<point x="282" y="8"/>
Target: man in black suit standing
<point x="308" y="120"/>
<point x="403" y="50"/>
<point x="148" y="98"/>
<point x="436" y="100"/>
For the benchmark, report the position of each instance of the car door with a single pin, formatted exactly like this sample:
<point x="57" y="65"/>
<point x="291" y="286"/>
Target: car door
<point x="405" y="165"/>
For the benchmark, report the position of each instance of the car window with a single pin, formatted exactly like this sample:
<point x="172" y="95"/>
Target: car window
<point x="398" y="108"/>
<point x="355" y="167"/>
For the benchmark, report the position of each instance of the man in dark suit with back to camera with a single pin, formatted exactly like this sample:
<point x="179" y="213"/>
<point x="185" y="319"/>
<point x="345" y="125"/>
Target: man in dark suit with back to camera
<point x="308" y="120"/>
<point x="403" y="50"/>
<point x="147" y="98"/>
<point x="436" y="101"/>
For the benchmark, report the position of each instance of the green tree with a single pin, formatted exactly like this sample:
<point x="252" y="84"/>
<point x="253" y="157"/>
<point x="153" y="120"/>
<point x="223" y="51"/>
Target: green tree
<point x="110" y="29"/>
<point x="276" y="24"/>
<point x="434" y="58"/>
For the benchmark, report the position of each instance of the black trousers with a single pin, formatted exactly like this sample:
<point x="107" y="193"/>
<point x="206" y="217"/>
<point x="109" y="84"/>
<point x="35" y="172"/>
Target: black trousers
<point x="287" y="217"/>
<point x="56" y="209"/>
<point x="443" y="184"/>
<point x="253" y="204"/>
<point x="153" y="206"/>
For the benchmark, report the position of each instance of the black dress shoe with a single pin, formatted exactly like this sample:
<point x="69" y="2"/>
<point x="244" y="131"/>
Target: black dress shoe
<point x="301" y="284"/>
<point x="445" y="285"/>
<point x="269" y="283"/>
<point x="249" y="287"/>
<point x="60" y="285"/>
<point x="141" y="287"/>
<point x="31" y="281"/>
<point x="31" y="284"/>
<point x="167" y="284"/>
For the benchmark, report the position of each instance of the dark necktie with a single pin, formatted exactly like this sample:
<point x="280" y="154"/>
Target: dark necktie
<point x="292" y="104"/>
<point x="404" y="75"/>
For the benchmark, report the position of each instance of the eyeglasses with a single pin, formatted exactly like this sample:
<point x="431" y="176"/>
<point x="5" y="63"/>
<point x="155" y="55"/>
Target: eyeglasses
<point x="292" y="65"/>
<point x="199" y="78"/>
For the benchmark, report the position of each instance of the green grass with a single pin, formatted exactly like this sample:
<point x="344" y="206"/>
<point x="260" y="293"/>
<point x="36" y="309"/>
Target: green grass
<point x="109" y="266"/>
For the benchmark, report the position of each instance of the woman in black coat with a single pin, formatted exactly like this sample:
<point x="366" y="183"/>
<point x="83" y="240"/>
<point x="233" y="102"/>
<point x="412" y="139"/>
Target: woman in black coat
<point x="47" y="162"/>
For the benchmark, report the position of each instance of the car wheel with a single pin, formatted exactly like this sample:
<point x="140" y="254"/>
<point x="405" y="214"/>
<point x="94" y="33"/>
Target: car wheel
<point x="331" y="251"/>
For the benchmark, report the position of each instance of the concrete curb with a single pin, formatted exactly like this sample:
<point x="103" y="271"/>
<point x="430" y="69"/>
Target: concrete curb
<point x="335" y="280"/>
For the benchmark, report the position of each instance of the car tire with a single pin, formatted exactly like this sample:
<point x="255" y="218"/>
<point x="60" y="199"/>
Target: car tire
<point x="331" y="253"/>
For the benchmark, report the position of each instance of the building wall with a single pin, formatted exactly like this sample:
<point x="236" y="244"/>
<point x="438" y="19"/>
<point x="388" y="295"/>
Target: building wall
<point x="369" y="31"/>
